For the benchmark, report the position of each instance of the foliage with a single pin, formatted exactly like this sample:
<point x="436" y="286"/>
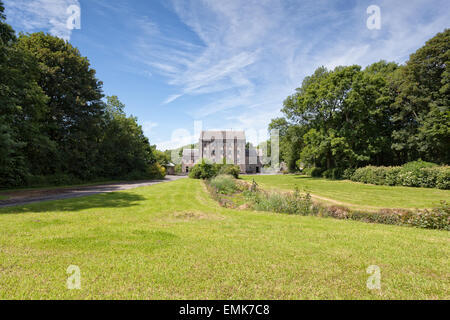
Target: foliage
<point x="414" y="174"/>
<point x="204" y="170"/>
<point x="22" y="105"/>
<point x="384" y="115"/>
<point x="224" y="184"/>
<point x="421" y="112"/>
<point x="290" y="203"/>
<point x="313" y="172"/>
<point x="123" y="148"/>
<point x="156" y="171"/>
<point x="437" y="218"/>
<point x="54" y="125"/>
<point x="161" y="157"/>
<point x="230" y="169"/>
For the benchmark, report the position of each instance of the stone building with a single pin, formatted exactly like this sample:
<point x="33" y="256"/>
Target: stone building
<point x="217" y="146"/>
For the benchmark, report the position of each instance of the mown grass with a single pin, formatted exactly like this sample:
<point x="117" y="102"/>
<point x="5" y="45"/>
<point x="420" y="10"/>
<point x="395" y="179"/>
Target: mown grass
<point x="172" y="241"/>
<point x="357" y="195"/>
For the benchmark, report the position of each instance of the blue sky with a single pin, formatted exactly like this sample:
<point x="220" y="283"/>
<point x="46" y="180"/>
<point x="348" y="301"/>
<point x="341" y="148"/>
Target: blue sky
<point x="229" y="64"/>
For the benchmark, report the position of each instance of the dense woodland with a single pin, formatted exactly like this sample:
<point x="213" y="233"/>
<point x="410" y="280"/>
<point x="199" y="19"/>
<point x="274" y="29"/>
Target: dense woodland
<point x="383" y="115"/>
<point x="55" y="125"/>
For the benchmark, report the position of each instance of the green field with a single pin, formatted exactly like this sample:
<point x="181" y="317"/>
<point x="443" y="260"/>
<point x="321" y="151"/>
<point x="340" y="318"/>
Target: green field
<point x="356" y="195"/>
<point x="172" y="241"/>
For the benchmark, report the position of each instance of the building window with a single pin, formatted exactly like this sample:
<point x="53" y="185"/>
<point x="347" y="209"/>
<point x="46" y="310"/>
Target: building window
<point x="213" y="153"/>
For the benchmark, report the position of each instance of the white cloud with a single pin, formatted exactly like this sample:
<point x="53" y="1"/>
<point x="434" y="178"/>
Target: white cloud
<point x="41" y="15"/>
<point x="249" y="55"/>
<point x="148" y="127"/>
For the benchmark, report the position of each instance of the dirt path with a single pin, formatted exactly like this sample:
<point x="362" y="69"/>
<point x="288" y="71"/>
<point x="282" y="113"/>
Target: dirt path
<point x="18" y="198"/>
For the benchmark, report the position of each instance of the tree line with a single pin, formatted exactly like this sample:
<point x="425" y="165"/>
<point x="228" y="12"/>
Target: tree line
<point x="55" y="127"/>
<point x="385" y="114"/>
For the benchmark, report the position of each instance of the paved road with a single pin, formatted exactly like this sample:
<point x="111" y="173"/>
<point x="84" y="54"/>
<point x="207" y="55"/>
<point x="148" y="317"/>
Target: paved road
<point x="18" y="198"/>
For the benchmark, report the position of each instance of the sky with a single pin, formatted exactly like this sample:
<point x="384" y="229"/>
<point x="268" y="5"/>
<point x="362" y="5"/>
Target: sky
<point x="179" y="66"/>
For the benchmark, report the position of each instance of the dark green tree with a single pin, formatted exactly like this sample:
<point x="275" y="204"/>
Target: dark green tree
<point x="421" y="91"/>
<point x="124" y="150"/>
<point x="22" y="106"/>
<point x="74" y="110"/>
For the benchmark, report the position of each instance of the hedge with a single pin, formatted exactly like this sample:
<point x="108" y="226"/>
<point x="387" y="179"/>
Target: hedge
<point x="410" y="175"/>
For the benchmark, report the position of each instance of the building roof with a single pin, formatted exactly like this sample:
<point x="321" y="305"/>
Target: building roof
<point x="225" y="134"/>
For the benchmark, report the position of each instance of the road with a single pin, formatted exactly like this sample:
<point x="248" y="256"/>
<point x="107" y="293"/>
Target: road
<point x="23" y="197"/>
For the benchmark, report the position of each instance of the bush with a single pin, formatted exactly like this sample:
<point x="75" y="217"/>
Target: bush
<point x="313" y="172"/>
<point x="334" y="174"/>
<point x="413" y="174"/>
<point x="224" y="184"/>
<point x="231" y="170"/>
<point x="204" y="171"/>
<point x="157" y="171"/>
<point x="438" y="218"/>
<point x="416" y="165"/>
<point x="208" y="171"/>
<point x="348" y="173"/>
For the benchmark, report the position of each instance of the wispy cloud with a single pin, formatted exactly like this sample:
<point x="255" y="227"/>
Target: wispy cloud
<point x="41" y="15"/>
<point x="148" y="127"/>
<point x="250" y="54"/>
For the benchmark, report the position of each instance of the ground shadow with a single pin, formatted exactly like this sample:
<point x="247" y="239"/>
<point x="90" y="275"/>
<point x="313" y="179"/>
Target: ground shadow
<point x="307" y="177"/>
<point x="104" y="200"/>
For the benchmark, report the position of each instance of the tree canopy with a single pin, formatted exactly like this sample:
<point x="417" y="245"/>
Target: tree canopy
<point x="54" y="122"/>
<point x="384" y="114"/>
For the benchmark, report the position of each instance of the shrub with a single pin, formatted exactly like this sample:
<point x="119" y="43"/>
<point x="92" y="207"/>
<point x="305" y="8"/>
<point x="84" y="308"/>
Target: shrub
<point x="224" y="184"/>
<point x="156" y="171"/>
<point x="204" y="171"/>
<point x="313" y="172"/>
<point x="414" y="174"/>
<point x="231" y="170"/>
<point x="438" y="218"/>
<point x="334" y="174"/>
<point x="417" y="165"/>
<point x="348" y="173"/>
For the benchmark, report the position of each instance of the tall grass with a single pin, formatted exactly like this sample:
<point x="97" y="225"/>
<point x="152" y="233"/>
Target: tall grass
<point x="290" y="203"/>
<point x="224" y="184"/>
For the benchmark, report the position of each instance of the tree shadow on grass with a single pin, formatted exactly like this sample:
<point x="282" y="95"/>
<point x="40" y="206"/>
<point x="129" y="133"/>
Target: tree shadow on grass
<point x="98" y="201"/>
<point x="307" y="177"/>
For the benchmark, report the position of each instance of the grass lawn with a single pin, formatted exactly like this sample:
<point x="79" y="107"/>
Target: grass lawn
<point x="356" y="195"/>
<point x="172" y="241"/>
